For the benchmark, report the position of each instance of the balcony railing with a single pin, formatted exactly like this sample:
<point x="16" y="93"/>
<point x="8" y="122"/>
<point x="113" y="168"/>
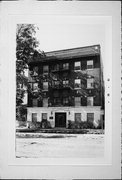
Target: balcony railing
<point x="58" y="69"/>
<point x="61" y="86"/>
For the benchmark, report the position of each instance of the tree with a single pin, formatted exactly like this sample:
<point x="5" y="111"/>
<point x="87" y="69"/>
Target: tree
<point x="26" y="43"/>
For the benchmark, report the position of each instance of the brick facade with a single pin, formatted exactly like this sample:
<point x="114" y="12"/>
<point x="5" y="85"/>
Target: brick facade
<point x="69" y="83"/>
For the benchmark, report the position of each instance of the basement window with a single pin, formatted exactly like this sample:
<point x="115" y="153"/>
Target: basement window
<point x="77" y="117"/>
<point x="34" y="117"/>
<point x="90" y="117"/>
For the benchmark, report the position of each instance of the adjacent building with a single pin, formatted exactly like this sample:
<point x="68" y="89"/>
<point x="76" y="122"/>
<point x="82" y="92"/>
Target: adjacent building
<point x="67" y="85"/>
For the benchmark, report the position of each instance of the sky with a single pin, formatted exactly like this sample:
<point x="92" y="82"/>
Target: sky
<point x="65" y="36"/>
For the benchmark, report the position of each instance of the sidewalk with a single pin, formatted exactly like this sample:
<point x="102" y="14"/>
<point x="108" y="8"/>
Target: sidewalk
<point x="62" y="131"/>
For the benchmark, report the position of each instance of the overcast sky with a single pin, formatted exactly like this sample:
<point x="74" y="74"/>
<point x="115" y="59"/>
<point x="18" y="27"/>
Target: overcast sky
<point x="57" y="37"/>
<point x="63" y="32"/>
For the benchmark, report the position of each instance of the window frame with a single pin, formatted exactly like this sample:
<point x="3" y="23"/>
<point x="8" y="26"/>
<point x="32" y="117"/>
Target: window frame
<point x="90" y="104"/>
<point x="65" y="83"/>
<point x="77" y="101"/>
<point x="46" y="102"/>
<point x="77" y="113"/>
<point x="35" y="70"/>
<point x="89" y="120"/>
<point x="55" y="67"/>
<point x="90" y="65"/>
<point x="33" y="118"/>
<point x="89" y="83"/>
<point x="65" y="66"/>
<point x="33" y="103"/>
<point x="57" y="101"/>
<point x="47" y="69"/>
<point x="43" y="114"/>
<point x="77" y="66"/>
<point x="35" y="89"/>
<point x="65" y="100"/>
<point x="79" y="84"/>
<point x="47" y="86"/>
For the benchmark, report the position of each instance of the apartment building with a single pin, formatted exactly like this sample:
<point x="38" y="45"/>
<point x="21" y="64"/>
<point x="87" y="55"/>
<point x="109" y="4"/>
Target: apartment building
<point x="67" y="85"/>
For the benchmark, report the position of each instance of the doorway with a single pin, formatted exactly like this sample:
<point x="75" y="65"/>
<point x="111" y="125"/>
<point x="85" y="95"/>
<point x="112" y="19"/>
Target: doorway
<point x="60" y="120"/>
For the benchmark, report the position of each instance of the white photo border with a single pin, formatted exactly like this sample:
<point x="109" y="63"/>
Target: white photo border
<point x="12" y="17"/>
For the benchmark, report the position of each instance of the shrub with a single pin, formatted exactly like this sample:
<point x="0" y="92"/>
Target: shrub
<point x="45" y="124"/>
<point x="100" y="125"/>
<point x="80" y="125"/>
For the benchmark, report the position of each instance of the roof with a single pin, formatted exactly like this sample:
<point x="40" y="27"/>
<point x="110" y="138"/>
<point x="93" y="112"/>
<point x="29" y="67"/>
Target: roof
<point x="70" y="53"/>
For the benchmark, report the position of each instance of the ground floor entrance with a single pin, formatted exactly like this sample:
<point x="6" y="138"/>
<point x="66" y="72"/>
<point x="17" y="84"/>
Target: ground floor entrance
<point x="60" y="120"/>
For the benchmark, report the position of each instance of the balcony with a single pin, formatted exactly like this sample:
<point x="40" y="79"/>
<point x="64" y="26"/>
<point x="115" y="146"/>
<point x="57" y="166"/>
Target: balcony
<point x="56" y="86"/>
<point x="60" y="68"/>
<point x="61" y="86"/>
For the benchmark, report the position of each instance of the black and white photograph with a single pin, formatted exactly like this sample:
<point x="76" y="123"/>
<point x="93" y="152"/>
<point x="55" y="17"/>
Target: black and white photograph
<point x="60" y="92"/>
<point x="60" y="110"/>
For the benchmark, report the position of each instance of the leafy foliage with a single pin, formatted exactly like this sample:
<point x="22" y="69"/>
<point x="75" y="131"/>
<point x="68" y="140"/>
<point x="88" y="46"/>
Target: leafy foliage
<point x="80" y="125"/>
<point x="26" y="44"/>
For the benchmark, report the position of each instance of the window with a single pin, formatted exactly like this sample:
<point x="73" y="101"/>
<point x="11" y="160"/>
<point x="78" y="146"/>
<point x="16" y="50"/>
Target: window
<point x="20" y="86"/>
<point x="45" y="69"/>
<point x="77" y="117"/>
<point x="45" y="102"/>
<point x="56" y="94"/>
<point x="65" y="100"/>
<point x="55" y="67"/>
<point x="35" y="87"/>
<point x="44" y="116"/>
<point x="57" y="101"/>
<point x="34" y="102"/>
<point x="35" y="71"/>
<point x="65" y="74"/>
<point x="90" y="64"/>
<point x="90" y="117"/>
<point x="66" y="66"/>
<point x="55" y="84"/>
<point x="65" y="93"/>
<point x="89" y="101"/>
<point x="77" y="101"/>
<point x="77" y="83"/>
<point x="45" y="86"/>
<point x="34" y="117"/>
<point x="90" y="83"/>
<point x="77" y="65"/>
<point x="65" y="83"/>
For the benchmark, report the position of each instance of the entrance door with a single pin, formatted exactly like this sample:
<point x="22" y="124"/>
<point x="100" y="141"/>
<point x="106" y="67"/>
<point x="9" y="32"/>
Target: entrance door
<point x="60" y="120"/>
